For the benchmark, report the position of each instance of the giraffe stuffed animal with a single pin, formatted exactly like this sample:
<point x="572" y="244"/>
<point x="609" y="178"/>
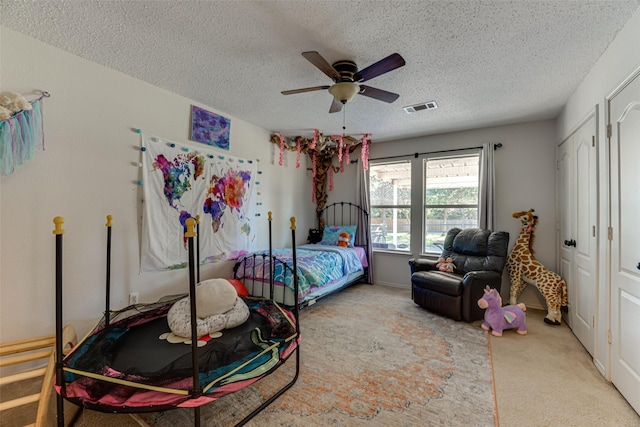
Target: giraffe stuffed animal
<point x="524" y="269"/>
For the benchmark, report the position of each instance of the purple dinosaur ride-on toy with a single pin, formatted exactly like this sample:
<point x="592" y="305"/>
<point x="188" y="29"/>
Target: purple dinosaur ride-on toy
<point x="498" y="318"/>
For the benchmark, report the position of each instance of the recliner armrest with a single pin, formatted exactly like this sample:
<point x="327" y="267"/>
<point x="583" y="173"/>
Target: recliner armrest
<point x="422" y="264"/>
<point x="473" y="284"/>
<point x="491" y="278"/>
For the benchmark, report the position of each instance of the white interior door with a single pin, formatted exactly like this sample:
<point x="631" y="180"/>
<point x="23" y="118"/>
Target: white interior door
<point x="583" y="313"/>
<point x="566" y="204"/>
<point x="624" y="119"/>
<point x="578" y="201"/>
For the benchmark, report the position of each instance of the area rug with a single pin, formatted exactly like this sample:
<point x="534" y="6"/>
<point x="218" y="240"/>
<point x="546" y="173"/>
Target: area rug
<point x="369" y="356"/>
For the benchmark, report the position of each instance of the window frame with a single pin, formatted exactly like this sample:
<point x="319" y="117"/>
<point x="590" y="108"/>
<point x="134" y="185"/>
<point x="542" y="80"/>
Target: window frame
<point x="372" y="206"/>
<point x="418" y="207"/>
<point x="456" y="154"/>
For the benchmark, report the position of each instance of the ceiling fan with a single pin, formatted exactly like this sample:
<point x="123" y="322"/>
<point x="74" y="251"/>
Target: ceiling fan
<point x="347" y="79"/>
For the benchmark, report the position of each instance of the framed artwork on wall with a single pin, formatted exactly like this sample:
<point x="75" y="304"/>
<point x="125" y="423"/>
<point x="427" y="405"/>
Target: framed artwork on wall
<point x="210" y="128"/>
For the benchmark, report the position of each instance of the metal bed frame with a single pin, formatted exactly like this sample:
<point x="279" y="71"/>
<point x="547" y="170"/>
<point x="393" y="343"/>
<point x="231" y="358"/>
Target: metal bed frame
<point x="340" y="213"/>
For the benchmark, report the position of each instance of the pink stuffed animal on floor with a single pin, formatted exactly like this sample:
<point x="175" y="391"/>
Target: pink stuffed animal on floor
<point x="498" y="318"/>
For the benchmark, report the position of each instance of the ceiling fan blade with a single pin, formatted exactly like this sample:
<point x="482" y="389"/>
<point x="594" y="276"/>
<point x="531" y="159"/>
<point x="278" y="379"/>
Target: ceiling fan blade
<point x="385" y="65"/>
<point x="316" y="59"/>
<point x="335" y="106"/>
<point x="306" y="89"/>
<point x="379" y="94"/>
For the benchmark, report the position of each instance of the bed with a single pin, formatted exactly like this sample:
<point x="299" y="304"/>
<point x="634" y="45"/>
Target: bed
<point x="322" y="268"/>
<point x="126" y="364"/>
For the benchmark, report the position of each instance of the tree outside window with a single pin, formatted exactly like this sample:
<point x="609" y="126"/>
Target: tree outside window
<point x="451" y="197"/>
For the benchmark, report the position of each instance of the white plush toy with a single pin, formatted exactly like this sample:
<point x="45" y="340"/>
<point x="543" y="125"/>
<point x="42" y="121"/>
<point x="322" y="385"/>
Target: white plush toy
<point x="215" y="296"/>
<point x="218" y="307"/>
<point x="14" y="102"/>
<point x="4" y="113"/>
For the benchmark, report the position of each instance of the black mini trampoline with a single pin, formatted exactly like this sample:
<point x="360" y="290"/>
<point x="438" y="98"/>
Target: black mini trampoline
<point x="123" y="366"/>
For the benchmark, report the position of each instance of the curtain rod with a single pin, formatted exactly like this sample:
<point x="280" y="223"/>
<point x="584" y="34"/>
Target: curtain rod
<point x="495" y="147"/>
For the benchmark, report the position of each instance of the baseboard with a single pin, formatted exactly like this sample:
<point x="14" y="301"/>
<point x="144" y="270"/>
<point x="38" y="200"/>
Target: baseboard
<point x="393" y="285"/>
<point x="535" y="306"/>
<point x="601" y="369"/>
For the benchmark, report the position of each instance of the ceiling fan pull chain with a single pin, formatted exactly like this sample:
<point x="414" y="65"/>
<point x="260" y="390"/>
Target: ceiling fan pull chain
<point x="344" y="128"/>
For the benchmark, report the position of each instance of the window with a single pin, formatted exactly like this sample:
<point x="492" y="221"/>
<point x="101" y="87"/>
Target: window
<point x="445" y="189"/>
<point x="450" y="197"/>
<point x="390" y="195"/>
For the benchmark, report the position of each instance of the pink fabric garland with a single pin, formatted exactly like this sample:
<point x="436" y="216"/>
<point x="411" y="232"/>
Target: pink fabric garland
<point x="340" y="148"/>
<point x="348" y="161"/>
<point x="365" y="151"/>
<point x="281" y="148"/>
<point x="340" y="144"/>
<point x="312" y="146"/>
<point x="297" y="152"/>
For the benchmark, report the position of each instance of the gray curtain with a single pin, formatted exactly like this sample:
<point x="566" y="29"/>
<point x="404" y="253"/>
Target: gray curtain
<point x="363" y="233"/>
<point x="487" y="188"/>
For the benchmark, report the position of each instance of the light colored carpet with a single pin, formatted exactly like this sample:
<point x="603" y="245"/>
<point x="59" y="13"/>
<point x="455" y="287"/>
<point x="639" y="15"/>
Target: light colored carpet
<point x="547" y="378"/>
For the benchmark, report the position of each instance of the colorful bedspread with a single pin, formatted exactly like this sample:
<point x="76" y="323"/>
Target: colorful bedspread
<point x="317" y="266"/>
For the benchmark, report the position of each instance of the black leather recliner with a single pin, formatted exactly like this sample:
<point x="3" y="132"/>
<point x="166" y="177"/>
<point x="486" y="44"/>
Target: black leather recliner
<point x="479" y="257"/>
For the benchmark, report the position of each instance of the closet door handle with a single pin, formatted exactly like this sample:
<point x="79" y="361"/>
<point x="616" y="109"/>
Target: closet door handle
<point x="570" y="243"/>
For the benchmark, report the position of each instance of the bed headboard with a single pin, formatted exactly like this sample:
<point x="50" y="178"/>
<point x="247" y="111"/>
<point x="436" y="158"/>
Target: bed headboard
<point x="346" y="213"/>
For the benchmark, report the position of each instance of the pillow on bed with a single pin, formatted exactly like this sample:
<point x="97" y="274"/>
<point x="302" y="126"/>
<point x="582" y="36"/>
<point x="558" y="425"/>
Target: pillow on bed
<point x="331" y="234"/>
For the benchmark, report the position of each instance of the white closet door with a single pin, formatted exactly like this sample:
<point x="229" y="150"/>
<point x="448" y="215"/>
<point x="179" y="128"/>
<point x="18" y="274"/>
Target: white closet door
<point x="578" y="202"/>
<point x="586" y="241"/>
<point x="624" y="119"/>
<point x="566" y="205"/>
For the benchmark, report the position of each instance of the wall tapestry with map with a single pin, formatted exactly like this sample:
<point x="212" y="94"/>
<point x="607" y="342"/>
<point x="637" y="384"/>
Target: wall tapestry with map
<point x="180" y="182"/>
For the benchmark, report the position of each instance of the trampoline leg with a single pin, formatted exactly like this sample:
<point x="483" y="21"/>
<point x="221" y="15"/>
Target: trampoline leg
<point x="196" y="416"/>
<point x="60" y="410"/>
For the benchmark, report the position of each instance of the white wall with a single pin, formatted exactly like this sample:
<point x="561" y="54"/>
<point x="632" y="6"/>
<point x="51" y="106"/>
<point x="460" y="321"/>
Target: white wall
<point x="525" y="178"/>
<point x="619" y="61"/>
<point x="87" y="172"/>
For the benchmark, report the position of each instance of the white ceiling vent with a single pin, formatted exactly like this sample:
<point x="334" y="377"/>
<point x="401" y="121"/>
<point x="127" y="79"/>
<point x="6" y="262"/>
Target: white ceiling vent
<point x="431" y="105"/>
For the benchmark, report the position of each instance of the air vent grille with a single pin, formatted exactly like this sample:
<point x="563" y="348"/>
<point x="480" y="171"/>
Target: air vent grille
<point x="431" y="105"/>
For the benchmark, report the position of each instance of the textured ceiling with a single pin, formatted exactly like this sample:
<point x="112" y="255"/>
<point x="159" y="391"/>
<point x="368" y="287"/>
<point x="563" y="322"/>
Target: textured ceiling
<point x="484" y="62"/>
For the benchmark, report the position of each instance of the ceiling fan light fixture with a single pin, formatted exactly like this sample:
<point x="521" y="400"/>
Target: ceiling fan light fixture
<point x="344" y="91"/>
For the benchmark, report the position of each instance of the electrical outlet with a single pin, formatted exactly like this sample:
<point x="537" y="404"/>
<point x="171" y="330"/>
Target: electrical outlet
<point x="133" y="298"/>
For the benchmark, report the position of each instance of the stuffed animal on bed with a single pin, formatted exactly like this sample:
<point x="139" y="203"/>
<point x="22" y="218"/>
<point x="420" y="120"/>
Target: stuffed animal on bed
<point x="343" y="239"/>
<point x="218" y="307"/>
<point x="498" y="318"/>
